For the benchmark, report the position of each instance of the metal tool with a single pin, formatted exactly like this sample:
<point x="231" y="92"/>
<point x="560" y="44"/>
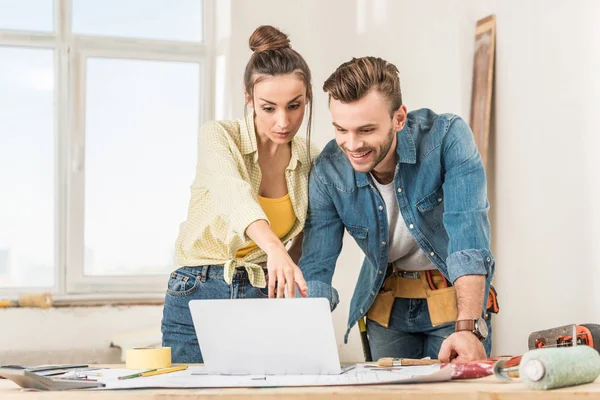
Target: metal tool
<point x="566" y="336"/>
<point x="362" y="326"/>
<point x="505" y="370"/>
<point x="31" y="380"/>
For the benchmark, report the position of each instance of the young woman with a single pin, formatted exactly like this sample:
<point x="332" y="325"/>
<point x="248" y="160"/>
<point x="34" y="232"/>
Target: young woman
<point x="249" y="196"/>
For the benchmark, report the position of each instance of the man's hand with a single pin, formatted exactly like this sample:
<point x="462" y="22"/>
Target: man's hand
<point x="464" y="346"/>
<point x="461" y="347"/>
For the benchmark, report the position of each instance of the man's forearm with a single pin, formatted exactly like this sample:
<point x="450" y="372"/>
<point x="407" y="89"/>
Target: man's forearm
<point x="469" y="294"/>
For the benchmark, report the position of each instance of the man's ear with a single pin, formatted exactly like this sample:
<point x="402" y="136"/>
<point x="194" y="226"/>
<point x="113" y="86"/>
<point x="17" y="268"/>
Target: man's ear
<point x="248" y="99"/>
<point x="399" y="118"/>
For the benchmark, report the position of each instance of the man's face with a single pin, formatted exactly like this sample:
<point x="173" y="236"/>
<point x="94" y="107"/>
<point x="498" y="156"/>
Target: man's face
<point x="364" y="129"/>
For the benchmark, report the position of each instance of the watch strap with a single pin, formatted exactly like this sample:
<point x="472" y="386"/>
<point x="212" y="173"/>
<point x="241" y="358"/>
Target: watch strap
<point x="465" y="325"/>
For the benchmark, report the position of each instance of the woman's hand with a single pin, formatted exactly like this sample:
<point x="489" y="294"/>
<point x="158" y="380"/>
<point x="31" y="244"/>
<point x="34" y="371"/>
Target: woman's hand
<point x="282" y="271"/>
<point x="283" y="274"/>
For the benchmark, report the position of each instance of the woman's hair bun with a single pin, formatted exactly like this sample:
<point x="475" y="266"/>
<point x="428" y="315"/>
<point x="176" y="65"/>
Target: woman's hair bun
<point x="267" y="37"/>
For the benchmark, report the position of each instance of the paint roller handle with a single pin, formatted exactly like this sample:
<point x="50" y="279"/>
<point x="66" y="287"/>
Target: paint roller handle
<point x="34" y="300"/>
<point x="37" y="300"/>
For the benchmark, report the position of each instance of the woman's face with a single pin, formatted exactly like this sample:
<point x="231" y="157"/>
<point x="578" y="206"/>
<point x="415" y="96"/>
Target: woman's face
<point x="279" y="104"/>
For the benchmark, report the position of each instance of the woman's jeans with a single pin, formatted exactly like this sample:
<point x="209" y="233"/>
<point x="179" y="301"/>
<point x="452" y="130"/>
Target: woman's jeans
<point x="197" y="283"/>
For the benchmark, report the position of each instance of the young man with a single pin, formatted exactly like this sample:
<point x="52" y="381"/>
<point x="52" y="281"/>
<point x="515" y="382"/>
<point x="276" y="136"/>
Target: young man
<point x="411" y="189"/>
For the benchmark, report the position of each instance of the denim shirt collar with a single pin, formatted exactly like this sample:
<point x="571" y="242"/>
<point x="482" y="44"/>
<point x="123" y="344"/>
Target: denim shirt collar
<point x="405" y="149"/>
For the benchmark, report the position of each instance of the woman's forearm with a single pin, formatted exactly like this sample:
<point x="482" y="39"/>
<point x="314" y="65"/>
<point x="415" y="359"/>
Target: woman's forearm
<point x="260" y="232"/>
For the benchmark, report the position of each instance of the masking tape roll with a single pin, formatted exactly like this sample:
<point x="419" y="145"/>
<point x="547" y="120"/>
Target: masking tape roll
<point x="143" y="358"/>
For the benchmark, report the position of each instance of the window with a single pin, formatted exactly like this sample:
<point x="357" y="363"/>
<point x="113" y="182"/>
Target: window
<point x="137" y="113"/>
<point x="178" y="20"/>
<point x="27" y="15"/>
<point x="27" y="159"/>
<point x="100" y="104"/>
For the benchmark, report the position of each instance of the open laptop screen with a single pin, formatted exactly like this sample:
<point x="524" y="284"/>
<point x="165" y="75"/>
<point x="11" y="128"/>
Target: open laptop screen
<point x="266" y="336"/>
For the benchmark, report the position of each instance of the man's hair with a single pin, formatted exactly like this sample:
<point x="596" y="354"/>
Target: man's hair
<point x="354" y="79"/>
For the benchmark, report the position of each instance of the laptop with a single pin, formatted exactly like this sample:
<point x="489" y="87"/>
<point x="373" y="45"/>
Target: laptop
<point x="266" y="336"/>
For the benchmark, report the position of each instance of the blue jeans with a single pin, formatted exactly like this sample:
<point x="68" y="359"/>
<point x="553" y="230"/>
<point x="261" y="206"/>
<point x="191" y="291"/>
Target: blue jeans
<point x="197" y="283"/>
<point x="410" y="334"/>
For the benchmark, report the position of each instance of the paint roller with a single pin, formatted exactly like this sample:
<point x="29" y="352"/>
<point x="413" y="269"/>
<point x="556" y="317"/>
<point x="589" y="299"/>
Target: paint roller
<point x="554" y="367"/>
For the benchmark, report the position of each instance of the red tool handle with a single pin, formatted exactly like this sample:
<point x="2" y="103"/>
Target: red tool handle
<point x="479" y="369"/>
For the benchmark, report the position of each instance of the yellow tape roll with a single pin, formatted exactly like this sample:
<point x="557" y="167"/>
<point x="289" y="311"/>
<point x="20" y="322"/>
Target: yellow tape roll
<point x="148" y="358"/>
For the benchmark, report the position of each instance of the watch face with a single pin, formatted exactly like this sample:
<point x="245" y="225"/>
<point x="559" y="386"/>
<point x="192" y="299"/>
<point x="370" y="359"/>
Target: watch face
<point x="482" y="328"/>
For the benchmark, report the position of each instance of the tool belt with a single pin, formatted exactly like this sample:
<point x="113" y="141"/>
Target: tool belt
<point x="430" y="285"/>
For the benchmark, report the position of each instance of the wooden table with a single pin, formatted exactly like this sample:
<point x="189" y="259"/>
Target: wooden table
<point x="486" y="388"/>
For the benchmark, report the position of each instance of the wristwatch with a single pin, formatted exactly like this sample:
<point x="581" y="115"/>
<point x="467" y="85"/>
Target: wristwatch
<point x="476" y="325"/>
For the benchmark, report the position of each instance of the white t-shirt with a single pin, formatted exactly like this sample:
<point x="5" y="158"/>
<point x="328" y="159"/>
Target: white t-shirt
<point x="403" y="251"/>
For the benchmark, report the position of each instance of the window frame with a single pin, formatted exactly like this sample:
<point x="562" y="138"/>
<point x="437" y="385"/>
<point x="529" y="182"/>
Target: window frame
<point x="71" y="52"/>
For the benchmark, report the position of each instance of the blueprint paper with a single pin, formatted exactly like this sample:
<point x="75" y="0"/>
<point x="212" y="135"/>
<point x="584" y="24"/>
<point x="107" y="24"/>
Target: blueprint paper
<point x="196" y="377"/>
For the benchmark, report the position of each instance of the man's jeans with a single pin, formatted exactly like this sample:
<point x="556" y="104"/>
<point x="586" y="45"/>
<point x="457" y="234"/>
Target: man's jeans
<point x="410" y="334"/>
<point x="193" y="283"/>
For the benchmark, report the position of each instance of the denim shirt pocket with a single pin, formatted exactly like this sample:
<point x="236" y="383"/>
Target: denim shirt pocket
<point x="359" y="234"/>
<point x="182" y="282"/>
<point x="431" y="208"/>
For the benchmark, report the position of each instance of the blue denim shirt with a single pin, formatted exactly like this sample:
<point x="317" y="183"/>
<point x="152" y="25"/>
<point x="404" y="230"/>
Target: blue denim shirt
<point x="441" y="190"/>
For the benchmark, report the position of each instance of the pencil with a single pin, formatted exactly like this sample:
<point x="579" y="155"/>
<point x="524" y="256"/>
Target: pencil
<point x="165" y="370"/>
<point x="136" y="375"/>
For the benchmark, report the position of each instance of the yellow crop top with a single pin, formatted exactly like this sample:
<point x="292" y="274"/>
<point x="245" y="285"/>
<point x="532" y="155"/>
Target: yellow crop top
<point x="281" y="216"/>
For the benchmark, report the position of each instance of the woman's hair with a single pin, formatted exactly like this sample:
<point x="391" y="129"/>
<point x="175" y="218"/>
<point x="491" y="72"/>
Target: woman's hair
<point x="274" y="56"/>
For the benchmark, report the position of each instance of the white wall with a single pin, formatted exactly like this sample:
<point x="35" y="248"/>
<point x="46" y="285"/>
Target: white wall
<point x="72" y="328"/>
<point x="546" y="173"/>
<point x="544" y="184"/>
<point x="546" y="188"/>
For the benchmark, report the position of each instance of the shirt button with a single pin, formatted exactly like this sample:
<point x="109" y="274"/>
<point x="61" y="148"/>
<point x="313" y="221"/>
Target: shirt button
<point x="383" y="243"/>
<point x="440" y="200"/>
<point x="372" y="293"/>
<point x="361" y="310"/>
<point x="380" y="208"/>
<point x="432" y="254"/>
<point x="489" y="259"/>
<point x="411" y="226"/>
<point x="380" y="272"/>
<point x="399" y="190"/>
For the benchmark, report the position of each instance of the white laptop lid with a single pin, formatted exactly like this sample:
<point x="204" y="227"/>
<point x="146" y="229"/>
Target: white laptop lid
<point x="266" y="336"/>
